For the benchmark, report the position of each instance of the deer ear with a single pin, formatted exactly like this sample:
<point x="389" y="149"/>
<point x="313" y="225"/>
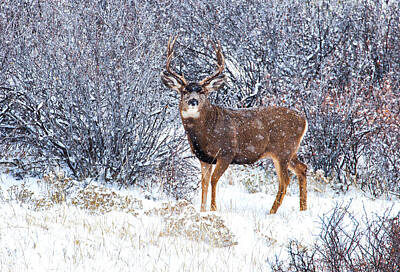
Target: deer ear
<point x="215" y="83"/>
<point x="170" y="81"/>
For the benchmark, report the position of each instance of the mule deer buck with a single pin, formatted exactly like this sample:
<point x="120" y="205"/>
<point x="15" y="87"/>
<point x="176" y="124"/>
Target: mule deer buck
<point x="223" y="136"/>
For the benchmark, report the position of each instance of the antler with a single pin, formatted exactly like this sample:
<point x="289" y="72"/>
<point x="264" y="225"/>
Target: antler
<point x="220" y="65"/>
<point x="170" y="53"/>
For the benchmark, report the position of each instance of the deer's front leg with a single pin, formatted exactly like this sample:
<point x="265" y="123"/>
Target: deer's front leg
<point x="205" y="180"/>
<point x="220" y="167"/>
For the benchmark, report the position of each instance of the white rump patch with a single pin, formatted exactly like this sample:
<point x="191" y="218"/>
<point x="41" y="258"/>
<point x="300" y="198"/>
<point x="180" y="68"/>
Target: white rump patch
<point x="191" y="112"/>
<point x="305" y="131"/>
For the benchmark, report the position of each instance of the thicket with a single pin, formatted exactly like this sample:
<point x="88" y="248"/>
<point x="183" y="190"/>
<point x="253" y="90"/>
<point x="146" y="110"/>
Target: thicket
<point x="80" y="84"/>
<point x="347" y="244"/>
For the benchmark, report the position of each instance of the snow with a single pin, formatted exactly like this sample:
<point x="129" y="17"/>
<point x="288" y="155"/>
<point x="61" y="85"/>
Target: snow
<point x="67" y="237"/>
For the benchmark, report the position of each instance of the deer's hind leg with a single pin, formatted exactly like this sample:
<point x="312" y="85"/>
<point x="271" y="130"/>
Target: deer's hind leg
<point x="281" y="167"/>
<point x="300" y="169"/>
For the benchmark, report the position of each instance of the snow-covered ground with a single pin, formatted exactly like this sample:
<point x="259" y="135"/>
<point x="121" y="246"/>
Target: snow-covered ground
<point x="106" y="229"/>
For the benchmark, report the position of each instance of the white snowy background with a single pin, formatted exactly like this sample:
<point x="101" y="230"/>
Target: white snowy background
<point x="136" y="236"/>
<point x="93" y="156"/>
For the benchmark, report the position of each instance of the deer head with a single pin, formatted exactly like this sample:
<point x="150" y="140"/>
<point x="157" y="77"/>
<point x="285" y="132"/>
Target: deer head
<point x="224" y="136"/>
<point x="193" y="94"/>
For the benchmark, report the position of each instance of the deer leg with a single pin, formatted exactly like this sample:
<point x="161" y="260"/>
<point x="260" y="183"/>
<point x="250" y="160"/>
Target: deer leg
<point x="283" y="176"/>
<point x="220" y="167"/>
<point x="300" y="169"/>
<point x="205" y="180"/>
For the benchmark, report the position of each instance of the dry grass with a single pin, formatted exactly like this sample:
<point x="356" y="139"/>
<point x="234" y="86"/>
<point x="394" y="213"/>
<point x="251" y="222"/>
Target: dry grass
<point x="56" y="224"/>
<point x="178" y="219"/>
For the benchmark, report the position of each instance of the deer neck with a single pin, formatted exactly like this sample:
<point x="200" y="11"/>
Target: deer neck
<point x="206" y="117"/>
<point x="198" y="131"/>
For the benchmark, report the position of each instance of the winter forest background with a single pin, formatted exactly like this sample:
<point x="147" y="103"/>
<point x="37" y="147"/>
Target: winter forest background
<point x="80" y="84"/>
<point x="80" y="90"/>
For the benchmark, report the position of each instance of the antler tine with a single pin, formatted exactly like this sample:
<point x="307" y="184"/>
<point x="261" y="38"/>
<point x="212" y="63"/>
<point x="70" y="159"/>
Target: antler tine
<point x="220" y="64"/>
<point x="170" y="53"/>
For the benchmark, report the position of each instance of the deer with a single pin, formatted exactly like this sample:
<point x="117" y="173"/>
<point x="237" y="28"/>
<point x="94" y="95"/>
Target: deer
<point x="220" y="136"/>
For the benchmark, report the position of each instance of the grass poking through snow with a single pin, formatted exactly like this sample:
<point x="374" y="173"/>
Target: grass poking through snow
<point x="55" y="224"/>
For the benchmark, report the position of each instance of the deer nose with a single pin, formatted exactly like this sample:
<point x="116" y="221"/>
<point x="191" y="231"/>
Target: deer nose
<point x="193" y="102"/>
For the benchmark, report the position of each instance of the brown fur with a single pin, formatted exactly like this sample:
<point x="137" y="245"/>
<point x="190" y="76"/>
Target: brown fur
<point x="223" y="136"/>
<point x="244" y="136"/>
